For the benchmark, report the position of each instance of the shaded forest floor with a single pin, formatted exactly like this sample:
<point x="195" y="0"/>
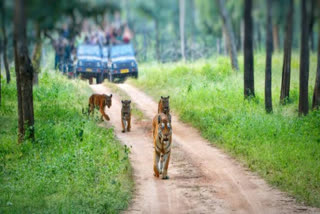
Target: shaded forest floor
<point x="282" y="147"/>
<point x="73" y="166"/>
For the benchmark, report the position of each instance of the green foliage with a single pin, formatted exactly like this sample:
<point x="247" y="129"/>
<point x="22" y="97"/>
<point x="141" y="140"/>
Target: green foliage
<point x="282" y="147"/>
<point x="73" y="166"/>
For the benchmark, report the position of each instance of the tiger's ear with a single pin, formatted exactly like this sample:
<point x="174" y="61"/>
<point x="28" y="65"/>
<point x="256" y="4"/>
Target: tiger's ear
<point x="129" y="101"/>
<point x="122" y="101"/>
<point x="159" y="119"/>
<point x="110" y="95"/>
<point x="161" y="97"/>
<point x="168" y="97"/>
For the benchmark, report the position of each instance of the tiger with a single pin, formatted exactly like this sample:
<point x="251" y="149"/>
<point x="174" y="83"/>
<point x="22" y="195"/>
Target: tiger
<point x="100" y="101"/>
<point x="162" y="139"/>
<point x="163" y="106"/>
<point x="126" y="115"/>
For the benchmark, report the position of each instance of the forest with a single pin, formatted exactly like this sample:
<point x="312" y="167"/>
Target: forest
<point x="242" y="78"/>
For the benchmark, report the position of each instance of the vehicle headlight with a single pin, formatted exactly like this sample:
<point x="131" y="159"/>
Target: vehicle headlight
<point x="98" y="64"/>
<point x="114" y="65"/>
<point x="133" y="64"/>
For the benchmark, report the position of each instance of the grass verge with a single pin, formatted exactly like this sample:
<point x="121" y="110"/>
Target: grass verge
<point x="74" y="166"/>
<point x="282" y="147"/>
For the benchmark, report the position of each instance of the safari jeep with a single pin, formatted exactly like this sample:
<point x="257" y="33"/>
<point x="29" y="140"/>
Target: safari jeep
<point x="89" y="63"/>
<point x="122" y="62"/>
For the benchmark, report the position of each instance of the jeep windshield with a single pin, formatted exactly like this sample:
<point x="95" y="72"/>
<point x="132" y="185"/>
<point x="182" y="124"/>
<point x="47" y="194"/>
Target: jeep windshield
<point x="121" y="50"/>
<point x="89" y="50"/>
<point x="105" y="52"/>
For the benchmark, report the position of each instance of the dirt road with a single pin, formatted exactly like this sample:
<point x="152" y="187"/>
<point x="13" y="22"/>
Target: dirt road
<point x="202" y="178"/>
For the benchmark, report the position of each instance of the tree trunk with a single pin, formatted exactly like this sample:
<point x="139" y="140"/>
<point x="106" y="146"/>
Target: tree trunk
<point x="286" y="68"/>
<point x="312" y="21"/>
<point x="36" y="55"/>
<point x="268" y="85"/>
<point x="248" y="50"/>
<point x="5" y="42"/>
<point x="181" y="24"/>
<point x="157" y="41"/>
<point x="275" y="33"/>
<point x="316" y="92"/>
<point x="241" y="34"/>
<point x="304" y="60"/>
<point x="24" y="73"/>
<point x="229" y="34"/>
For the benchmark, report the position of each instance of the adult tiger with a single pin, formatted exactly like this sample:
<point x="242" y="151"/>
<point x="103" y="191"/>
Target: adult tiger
<point x="162" y="139"/>
<point x="163" y="106"/>
<point x="100" y="101"/>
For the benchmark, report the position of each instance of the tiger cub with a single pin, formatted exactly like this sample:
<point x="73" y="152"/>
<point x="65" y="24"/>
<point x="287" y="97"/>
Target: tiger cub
<point x="100" y="101"/>
<point x="163" y="107"/>
<point x="126" y="115"/>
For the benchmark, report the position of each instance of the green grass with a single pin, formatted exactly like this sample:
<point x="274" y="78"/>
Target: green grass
<point x="74" y="166"/>
<point x="282" y="147"/>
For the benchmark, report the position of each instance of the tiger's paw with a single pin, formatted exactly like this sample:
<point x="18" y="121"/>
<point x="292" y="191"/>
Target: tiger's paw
<point x="155" y="175"/>
<point x="123" y="131"/>
<point x="166" y="177"/>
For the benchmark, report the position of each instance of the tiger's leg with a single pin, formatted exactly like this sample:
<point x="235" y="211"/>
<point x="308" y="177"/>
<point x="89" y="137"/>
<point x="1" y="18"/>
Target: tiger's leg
<point x="91" y="109"/>
<point x="129" y="123"/>
<point x="161" y="164"/>
<point x="103" y="113"/>
<point x="123" y="125"/>
<point x="156" y="158"/>
<point x="166" y="159"/>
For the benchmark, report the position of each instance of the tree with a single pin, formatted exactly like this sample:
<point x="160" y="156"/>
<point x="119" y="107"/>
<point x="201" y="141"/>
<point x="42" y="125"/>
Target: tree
<point x="304" y="60"/>
<point x="24" y="74"/>
<point x="231" y="43"/>
<point x="268" y="93"/>
<point x="248" y="50"/>
<point x="5" y="40"/>
<point x="181" y="24"/>
<point x="316" y="92"/>
<point x="286" y="68"/>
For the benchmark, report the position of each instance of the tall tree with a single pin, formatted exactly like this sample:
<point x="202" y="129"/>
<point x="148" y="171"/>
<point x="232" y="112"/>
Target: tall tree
<point x="286" y="68"/>
<point x="24" y="74"/>
<point x="267" y="92"/>
<point x="231" y="42"/>
<point x="316" y="92"/>
<point x="304" y="60"/>
<point x="181" y="25"/>
<point x="5" y="40"/>
<point x="248" y="50"/>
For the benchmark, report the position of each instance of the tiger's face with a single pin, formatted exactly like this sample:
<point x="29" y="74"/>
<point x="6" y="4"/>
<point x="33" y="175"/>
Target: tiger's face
<point x="108" y="100"/>
<point x="126" y="105"/>
<point x="165" y="104"/>
<point x="164" y="128"/>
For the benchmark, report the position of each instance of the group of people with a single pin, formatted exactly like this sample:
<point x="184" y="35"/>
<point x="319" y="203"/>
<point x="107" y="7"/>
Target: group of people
<point x="65" y="46"/>
<point x="110" y="36"/>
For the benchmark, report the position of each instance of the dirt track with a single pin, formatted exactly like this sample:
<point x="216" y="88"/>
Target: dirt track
<point x="202" y="178"/>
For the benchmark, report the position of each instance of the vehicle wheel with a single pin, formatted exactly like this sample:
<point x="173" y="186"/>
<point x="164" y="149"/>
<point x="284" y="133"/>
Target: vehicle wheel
<point x="135" y="75"/>
<point x="98" y="79"/>
<point x="101" y="78"/>
<point x="111" y="78"/>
